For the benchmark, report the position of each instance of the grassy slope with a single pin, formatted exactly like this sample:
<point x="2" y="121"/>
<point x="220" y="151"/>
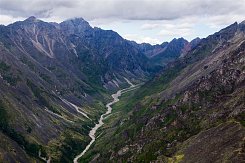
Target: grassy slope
<point x="25" y="131"/>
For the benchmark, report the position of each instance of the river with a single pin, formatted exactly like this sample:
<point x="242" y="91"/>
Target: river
<point x="103" y="116"/>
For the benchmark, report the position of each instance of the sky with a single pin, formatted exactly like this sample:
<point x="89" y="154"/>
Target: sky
<point x="150" y="21"/>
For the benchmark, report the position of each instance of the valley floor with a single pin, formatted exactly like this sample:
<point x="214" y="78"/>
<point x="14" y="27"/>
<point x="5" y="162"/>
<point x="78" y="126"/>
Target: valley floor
<point x="92" y="132"/>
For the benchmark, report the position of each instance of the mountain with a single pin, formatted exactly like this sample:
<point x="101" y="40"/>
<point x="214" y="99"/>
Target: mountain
<point x="191" y="112"/>
<point x="75" y="38"/>
<point x="55" y="82"/>
<point x="167" y="51"/>
<point x="105" y="47"/>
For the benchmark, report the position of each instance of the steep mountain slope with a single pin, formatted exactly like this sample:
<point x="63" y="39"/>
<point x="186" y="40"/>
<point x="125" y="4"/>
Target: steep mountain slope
<point x="40" y="95"/>
<point x="105" y="52"/>
<point x="192" y="112"/>
<point x="75" y="39"/>
<point x="55" y="81"/>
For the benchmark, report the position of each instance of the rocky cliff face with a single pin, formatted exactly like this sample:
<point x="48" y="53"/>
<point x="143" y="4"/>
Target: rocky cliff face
<point x="192" y="112"/>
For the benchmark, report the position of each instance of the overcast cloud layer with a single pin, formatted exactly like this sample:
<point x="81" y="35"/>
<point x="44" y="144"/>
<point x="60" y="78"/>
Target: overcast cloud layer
<point x="151" y="21"/>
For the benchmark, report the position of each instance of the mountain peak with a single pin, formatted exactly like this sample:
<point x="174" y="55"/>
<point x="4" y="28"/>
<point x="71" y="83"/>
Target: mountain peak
<point x="75" y="25"/>
<point x="32" y="19"/>
<point x="76" y="21"/>
<point x="181" y="39"/>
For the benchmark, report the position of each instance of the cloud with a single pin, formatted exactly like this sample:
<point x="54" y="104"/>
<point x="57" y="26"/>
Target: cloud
<point x="5" y="19"/>
<point x="150" y="26"/>
<point x="175" y="33"/>
<point x="153" y="20"/>
<point x="141" y="39"/>
<point x="171" y="28"/>
<point x="39" y="8"/>
<point x="121" y="9"/>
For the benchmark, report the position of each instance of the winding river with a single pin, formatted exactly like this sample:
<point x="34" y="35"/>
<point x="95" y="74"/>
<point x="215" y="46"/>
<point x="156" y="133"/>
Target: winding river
<point x="103" y="116"/>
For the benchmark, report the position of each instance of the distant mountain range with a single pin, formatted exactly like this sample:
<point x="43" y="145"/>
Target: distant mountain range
<point x="167" y="51"/>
